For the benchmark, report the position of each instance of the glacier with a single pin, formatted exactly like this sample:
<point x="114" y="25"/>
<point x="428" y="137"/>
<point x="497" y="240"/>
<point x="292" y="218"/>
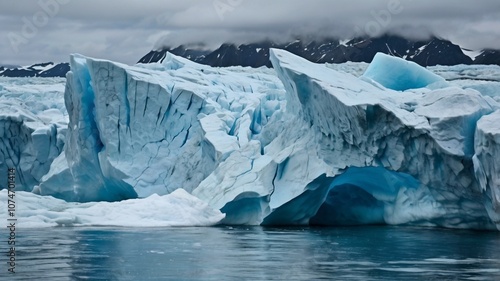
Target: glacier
<point x="33" y="125"/>
<point x="299" y="144"/>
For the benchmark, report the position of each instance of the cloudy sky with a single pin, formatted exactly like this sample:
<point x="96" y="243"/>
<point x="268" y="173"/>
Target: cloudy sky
<point x="124" y="30"/>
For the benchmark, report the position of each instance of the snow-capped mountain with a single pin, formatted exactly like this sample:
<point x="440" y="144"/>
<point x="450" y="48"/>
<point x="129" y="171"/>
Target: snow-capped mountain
<point x="488" y="57"/>
<point x="48" y="69"/>
<point x="430" y="52"/>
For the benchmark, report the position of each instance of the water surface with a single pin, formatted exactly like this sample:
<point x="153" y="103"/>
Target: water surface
<point x="255" y="253"/>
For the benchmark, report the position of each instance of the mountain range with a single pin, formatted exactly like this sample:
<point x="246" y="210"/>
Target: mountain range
<point x="48" y="69"/>
<point x="434" y="51"/>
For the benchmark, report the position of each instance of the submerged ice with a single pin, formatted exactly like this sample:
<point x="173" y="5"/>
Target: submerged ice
<point x="300" y="144"/>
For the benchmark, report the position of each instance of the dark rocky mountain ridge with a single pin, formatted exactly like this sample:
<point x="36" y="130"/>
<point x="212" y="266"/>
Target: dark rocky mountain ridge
<point x="434" y="51"/>
<point x="48" y="69"/>
<point x="430" y="52"/>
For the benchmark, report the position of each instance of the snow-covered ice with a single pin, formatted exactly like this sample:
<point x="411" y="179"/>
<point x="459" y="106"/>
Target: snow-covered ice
<point x="178" y="208"/>
<point x="299" y="144"/>
<point x="483" y="78"/>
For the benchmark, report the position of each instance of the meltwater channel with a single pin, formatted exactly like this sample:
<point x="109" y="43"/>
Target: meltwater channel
<point x="255" y="253"/>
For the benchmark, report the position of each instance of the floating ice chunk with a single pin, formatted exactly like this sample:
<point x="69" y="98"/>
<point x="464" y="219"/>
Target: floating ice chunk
<point x="176" y="209"/>
<point x="399" y="74"/>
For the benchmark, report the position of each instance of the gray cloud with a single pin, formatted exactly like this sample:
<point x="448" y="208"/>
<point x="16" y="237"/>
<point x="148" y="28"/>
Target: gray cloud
<point x="124" y="30"/>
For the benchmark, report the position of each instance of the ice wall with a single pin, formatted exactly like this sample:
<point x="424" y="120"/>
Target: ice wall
<point x="135" y="131"/>
<point x="27" y="145"/>
<point x="311" y="145"/>
<point x="427" y="135"/>
<point x="487" y="162"/>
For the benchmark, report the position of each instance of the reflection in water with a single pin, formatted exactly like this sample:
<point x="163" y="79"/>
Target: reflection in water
<point x="256" y="253"/>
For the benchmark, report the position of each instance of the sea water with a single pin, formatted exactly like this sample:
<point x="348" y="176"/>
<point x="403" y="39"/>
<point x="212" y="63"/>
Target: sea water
<point x="254" y="253"/>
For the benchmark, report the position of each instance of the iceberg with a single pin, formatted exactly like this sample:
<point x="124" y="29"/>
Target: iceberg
<point x="400" y="75"/>
<point x="427" y="135"/>
<point x="299" y="144"/>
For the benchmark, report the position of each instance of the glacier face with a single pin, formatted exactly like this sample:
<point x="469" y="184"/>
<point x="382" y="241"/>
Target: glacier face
<point x="301" y="144"/>
<point x="136" y="131"/>
<point x="486" y="162"/>
<point x="425" y="134"/>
